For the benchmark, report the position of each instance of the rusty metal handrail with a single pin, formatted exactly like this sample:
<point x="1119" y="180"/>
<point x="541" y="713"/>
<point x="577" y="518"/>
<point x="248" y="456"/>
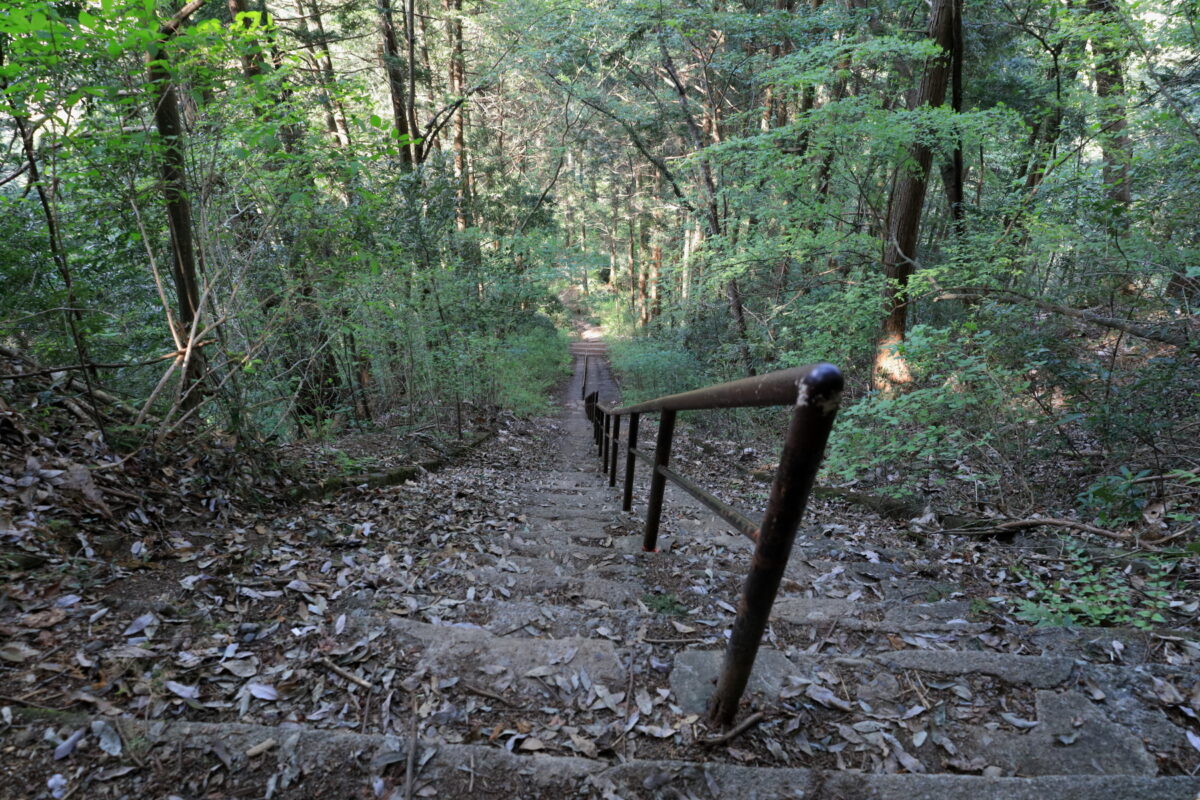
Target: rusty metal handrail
<point x="815" y="394"/>
<point x="773" y="389"/>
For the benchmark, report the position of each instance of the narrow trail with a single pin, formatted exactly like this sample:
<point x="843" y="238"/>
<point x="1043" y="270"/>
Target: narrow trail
<point x="515" y="642"/>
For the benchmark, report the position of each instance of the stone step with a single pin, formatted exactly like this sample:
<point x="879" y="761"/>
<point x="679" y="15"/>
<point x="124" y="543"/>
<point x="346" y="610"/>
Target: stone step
<point x="303" y="763"/>
<point x="1019" y="715"/>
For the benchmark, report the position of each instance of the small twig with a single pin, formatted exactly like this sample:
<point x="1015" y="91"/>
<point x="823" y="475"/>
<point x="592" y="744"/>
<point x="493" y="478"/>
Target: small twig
<point x="473" y="689"/>
<point x="674" y="641"/>
<point x="746" y="724"/>
<point x="345" y="673"/>
<point x="6" y="699"/>
<point x="1164" y="539"/>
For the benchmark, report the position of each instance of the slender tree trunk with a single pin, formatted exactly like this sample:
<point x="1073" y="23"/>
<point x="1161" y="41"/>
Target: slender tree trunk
<point x="393" y="68"/>
<point x="172" y="167"/>
<point x="908" y="198"/>
<point x="457" y="85"/>
<point x="410" y="35"/>
<point x="1110" y="90"/>
<point x="774" y="109"/>
<point x="952" y="171"/>
<point x="711" y="210"/>
<point x="631" y="258"/>
<point x="329" y="77"/>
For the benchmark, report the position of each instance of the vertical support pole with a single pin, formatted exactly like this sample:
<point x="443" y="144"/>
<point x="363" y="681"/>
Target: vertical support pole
<point x="658" y="481"/>
<point x="586" y="357"/>
<point x="612" y="450"/>
<point x="630" y="458"/>
<point x="595" y="416"/>
<point x="816" y="405"/>
<point x="604" y="441"/>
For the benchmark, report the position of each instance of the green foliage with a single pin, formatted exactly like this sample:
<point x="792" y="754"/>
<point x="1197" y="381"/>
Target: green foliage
<point x="960" y="403"/>
<point x="1089" y="594"/>
<point x="666" y="604"/>
<point x="650" y="367"/>
<point x="1116" y="500"/>
<point x="527" y="367"/>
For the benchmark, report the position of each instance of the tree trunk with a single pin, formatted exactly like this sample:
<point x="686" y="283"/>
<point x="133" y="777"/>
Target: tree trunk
<point x="457" y="85"/>
<point x="1115" y="145"/>
<point x="393" y="68"/>
<point x="711" y="211"/>
<point x="340" y="129"/>
<point x="774" y="109"/>
<point x="169" y="123"/>
<point x="908" y="198"/>
<point x="952" y="171"/>
<point x="1110" y="89"/>
<point x="410" y="36"/>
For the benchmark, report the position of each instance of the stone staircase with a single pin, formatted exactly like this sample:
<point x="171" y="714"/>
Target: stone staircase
<point x="555" y="659"/>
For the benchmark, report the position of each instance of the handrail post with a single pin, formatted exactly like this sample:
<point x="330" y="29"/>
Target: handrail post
<point x="586" y="357"/>
<point x="658" y="481"/>
<point x="612" y="450"/>
<point x="816" y="406"/>
<point x="630" y="446"/>
<point x="604" y="442"/>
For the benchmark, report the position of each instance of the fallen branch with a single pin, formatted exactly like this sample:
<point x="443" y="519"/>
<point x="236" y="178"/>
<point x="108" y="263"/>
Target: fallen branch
<point x="391" y="477"/>
<point x="473" y="689"/>
<point x="1017" y="524"/>
<point x="345" y="673"/>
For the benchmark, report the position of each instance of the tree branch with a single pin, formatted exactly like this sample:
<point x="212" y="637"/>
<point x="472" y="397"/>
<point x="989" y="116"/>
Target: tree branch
<point x="1134" y="329"/>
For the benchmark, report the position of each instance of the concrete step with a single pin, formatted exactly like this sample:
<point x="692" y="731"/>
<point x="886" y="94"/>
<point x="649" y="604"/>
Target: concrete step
<point x="303" y="763"/>
<point x="1018" y="715"/>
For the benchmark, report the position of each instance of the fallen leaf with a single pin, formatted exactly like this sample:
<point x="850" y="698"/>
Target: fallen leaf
<point x="262" y="691"/>
<point x="110" y="740"/>
<point x="44" y="619"/>
<point x="826" y="698"/>
<point x="183" y="690"/>
<point x="18" y="652"/>
<point x="1017" y="722"/>
<point x="67" y="746"/>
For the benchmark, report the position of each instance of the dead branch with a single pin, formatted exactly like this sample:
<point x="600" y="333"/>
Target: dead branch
<point x="1181" y="341"/>
<point x="1037" y="522"/>
<point x="345" y="673"/>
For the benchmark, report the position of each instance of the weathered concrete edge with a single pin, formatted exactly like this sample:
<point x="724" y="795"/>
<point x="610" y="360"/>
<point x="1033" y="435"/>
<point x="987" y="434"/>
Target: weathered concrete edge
<point x="643" y="778"/>
<point x="311" y="491"/>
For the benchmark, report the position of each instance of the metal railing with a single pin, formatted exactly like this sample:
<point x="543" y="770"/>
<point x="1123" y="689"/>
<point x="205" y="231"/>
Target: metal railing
<point x="815" y="393"/>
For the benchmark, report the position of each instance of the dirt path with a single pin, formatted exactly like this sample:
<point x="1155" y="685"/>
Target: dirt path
<point x="495" y="630"/>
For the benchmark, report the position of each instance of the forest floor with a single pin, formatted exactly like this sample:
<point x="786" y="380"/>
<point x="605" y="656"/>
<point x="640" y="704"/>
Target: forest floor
<point x="494" y="629"/>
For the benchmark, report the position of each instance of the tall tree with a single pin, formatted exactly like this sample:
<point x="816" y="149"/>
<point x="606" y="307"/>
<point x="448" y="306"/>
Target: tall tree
<point x="394" y="69"/>
<point x="178" y="203"/>
<point x="908" y="199"/>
